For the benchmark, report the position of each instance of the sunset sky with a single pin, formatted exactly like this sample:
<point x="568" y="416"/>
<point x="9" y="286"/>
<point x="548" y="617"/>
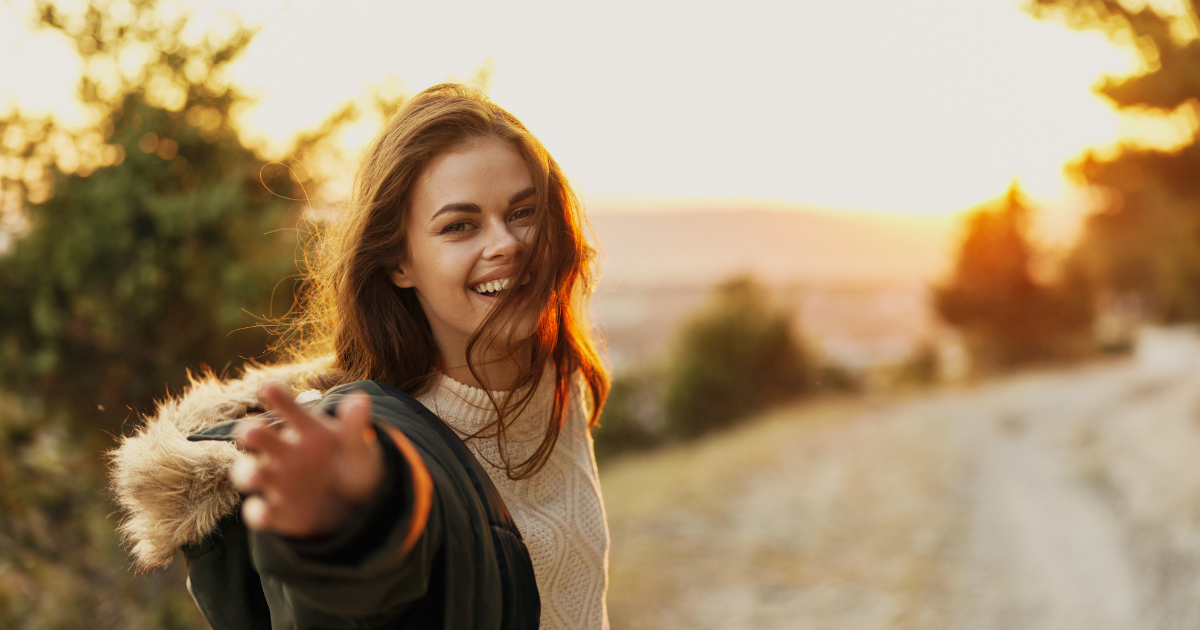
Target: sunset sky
<point x="924" y="107"/>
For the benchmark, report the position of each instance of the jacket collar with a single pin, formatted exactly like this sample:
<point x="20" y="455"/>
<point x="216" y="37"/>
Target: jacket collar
<point x="173" y="491"/>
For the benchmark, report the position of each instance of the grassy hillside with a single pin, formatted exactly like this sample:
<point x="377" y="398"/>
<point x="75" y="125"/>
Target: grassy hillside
<point x="825" y="515"/>
<point x="1043" y="500"/>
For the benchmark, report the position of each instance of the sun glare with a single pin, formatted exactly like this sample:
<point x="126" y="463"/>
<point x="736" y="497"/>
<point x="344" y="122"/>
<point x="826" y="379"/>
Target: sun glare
<point x="922" y="108"/>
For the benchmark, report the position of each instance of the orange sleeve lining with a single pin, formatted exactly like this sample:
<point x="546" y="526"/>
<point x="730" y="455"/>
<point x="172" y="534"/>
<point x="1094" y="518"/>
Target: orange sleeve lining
<point x="422" y="487"/>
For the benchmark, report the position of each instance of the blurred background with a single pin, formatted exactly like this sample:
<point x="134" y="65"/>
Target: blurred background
<point x="900" y="298"/>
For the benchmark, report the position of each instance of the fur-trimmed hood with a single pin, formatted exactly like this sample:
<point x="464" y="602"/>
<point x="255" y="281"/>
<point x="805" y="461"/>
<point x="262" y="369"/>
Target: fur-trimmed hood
<point x="172" y="492"/>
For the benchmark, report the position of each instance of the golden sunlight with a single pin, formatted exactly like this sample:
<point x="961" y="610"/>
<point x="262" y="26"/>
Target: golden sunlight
<point x="922" y="108"/>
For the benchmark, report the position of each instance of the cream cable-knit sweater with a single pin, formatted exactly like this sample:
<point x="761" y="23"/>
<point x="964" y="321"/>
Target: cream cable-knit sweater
<point x="559" y="511"/>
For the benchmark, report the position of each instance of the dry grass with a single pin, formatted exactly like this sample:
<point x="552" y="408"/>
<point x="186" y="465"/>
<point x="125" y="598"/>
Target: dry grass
<point x="839" y="514"/>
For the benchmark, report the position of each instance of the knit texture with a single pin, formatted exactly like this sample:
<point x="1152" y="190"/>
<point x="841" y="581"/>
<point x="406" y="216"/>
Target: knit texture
<point x="559" y="510"/>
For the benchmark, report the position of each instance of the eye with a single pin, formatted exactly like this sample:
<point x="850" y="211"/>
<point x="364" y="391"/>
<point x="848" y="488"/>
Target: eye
<point x="521" y="214"/>
<point x="458" y="226"/>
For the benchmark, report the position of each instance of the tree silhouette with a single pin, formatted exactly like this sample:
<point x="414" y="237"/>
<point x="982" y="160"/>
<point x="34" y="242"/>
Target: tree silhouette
<point x="992" y="294"/>
<point x="139" y="245"/>
<point x="1144" y="241"/>
<point x="148" y="239"/>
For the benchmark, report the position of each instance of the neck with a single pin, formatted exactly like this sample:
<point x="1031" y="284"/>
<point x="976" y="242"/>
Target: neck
<point x="494" y="373"/>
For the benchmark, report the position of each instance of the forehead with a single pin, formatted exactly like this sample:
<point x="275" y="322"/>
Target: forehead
<point x="484" y="171"/>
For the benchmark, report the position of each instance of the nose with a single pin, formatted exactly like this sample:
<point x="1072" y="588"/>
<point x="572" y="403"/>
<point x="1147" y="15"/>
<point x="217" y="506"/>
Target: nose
<point x="501" y="243"/>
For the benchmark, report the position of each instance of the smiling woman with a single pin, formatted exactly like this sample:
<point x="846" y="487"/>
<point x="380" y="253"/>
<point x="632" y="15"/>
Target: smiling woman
<point x="426" y="460"/>
<point x="461" y="255"/>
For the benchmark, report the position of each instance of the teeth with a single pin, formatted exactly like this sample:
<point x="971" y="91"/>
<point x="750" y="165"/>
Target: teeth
<point x="493" y="285"/>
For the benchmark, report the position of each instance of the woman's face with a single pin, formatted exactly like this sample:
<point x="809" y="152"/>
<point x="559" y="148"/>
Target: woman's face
<point x="471" y="212"/>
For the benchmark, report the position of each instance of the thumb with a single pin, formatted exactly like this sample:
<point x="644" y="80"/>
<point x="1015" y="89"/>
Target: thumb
<point x="356" y="432"/>
<point x="360" y="465"/>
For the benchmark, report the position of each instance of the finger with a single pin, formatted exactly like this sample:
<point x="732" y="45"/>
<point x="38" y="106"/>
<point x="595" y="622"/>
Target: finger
<point x="360" y="467"/>
<point x="259" y="437"/>
<point x="281" y="401"/>
<point x="356" y="432"/>
<point x="242" y="474"/>
<point x="256" y="513"/>
<point x="250" y="474"/>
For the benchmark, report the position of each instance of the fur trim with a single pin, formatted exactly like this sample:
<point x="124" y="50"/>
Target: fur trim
<point x="172" y="491"/>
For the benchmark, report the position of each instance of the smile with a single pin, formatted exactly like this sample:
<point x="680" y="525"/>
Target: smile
<point x="494" y="286"/>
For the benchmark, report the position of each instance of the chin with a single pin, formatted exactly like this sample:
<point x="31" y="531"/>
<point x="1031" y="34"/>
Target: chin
<point x="510" y="340"/>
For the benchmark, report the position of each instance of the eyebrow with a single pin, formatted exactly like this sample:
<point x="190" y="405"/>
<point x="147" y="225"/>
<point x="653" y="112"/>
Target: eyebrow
<point x="466" y="206"/>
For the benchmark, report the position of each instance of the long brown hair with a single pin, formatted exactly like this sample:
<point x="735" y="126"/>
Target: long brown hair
<point x="377" y="331"/>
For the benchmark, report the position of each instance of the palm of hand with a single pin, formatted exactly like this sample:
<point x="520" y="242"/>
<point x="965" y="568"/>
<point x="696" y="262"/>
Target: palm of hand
<point x="307" y="478"/>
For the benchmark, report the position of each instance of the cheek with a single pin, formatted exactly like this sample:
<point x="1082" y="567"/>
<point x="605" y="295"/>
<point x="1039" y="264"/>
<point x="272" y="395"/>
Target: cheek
<point x="444" y="267"/>
<point x="524" y="234"/>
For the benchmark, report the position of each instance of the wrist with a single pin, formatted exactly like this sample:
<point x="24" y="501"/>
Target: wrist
<point x="350" y="531"/>
<point x="354" y="486"/>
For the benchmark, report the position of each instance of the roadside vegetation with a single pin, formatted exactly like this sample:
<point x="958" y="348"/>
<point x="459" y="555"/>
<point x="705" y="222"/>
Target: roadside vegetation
<point x="731" y="359"/>
<point x="149" y="241"/>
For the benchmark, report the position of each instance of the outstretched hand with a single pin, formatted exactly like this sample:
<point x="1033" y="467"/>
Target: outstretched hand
<point x="307" y="475"/>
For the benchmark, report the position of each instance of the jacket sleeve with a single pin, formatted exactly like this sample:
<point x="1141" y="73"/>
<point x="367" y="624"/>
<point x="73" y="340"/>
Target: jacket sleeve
<point x="222" y="579"/>
<point x="373" y="569"/>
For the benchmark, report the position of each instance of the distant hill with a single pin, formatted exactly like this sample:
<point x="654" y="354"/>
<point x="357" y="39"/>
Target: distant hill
<point x="780" y="246"/>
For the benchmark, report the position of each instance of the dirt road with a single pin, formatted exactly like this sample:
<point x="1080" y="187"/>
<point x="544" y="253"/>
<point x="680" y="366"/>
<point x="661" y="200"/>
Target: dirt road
<point x="1053" y="500"/>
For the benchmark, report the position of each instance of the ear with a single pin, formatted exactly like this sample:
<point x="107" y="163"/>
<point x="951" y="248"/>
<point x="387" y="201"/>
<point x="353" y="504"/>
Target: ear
<point x="401" y="279"/>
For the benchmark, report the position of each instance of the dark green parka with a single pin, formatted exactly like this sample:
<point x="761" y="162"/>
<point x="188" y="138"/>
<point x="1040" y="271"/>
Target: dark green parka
<point x="466" y="566"/>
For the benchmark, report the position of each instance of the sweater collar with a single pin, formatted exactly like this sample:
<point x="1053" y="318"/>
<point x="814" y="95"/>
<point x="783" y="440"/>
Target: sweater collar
<point x="467" y="409"/>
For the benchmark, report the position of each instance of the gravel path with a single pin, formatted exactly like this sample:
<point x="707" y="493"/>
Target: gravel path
<point x="1045" y="549"/>
<point x="1052" y="500"/>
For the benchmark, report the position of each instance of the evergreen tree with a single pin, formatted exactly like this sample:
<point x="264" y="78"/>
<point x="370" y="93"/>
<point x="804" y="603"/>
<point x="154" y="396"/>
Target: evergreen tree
<point x="992" y="294"/>
<point x="1145" y="240"/>
<point x="131" y="249"/>
<point x="148" y="243"/>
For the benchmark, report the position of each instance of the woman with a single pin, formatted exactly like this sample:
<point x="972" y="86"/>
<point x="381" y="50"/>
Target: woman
<point x="454" y="285"/>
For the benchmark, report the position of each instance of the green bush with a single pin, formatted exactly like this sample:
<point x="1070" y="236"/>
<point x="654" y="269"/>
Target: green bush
<point x="836" y="378"/>
<point x="632" y="419"/>
<point x="154" y="250"/>
<point x="734" y="357"/>
<point x="148" y="242"/>
<point x="61" y="566"/>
